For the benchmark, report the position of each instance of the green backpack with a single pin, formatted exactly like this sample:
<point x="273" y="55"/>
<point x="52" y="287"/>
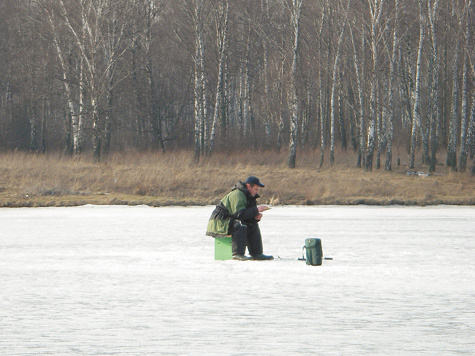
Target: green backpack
<point x="314" y="252"/>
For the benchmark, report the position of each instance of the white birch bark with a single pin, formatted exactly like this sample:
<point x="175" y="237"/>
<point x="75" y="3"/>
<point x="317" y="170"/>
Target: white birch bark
<point x="77" y="129"/>
<point x="221" y="32"/>
<point x="246" y="88"/>
<point x="294" y="101"/>
<point x="266" y="102"/>
<point x="81" y="117"/>
<point x="416" y="116"/>
<point x="197" y="80"/>
<point x="267" y="119"/>
<point x="376" y="9"/>
<point x="92" y="37"/>
<point x="282" y="96"/>
<point x="359" y="74"/>
<point x="197" y="16"/>
<point x="392" y="80"/>
<point x="204" y="105"/>
<point x="433" y="11"/>
<point x="341" y="111"/>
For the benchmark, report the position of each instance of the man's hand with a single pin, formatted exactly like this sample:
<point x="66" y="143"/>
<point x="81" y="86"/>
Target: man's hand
<point x="258" y="217"/>
<point x="262" y="208"/>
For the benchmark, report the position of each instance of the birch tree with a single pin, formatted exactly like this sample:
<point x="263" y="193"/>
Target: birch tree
<point x="50" y="13"/>
<point x="114" y="72"/>
<point x="434" y="113"/>
<point x="416" y="116"/>
<point x="376" y="9"/>
<point x="222" y="19"/>
<point x="358" y="61"/>
<point x="391" y="84"/>
<point x="196" y="10"/>
<point x="100" y="45"/>
<point x="295" y="9"/>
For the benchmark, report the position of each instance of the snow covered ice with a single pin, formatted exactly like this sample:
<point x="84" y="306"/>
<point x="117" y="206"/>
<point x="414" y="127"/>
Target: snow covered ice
<point x="116" y="280"/>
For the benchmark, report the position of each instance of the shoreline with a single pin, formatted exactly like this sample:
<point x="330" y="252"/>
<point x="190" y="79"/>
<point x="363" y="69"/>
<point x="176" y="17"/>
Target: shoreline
<point x="71" y="202"/>
<point x="174" y="179"/>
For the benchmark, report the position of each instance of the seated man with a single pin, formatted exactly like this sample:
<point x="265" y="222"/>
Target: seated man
<point x="238" y="215"/>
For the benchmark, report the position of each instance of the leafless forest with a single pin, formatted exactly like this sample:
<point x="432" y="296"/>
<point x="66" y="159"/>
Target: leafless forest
<point x="102" y="76"/>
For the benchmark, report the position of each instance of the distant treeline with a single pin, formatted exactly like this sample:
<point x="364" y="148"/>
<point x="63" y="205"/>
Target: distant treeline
<point x="109" y="75"/>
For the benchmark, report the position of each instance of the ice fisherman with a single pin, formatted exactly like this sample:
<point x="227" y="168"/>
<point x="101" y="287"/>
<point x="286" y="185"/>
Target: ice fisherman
<point x="238" y="215"/>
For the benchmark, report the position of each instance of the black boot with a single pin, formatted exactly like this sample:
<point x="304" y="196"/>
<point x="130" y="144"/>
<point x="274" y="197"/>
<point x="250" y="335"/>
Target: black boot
<point x="262" y="257"/>
<point x="241" y="258"/>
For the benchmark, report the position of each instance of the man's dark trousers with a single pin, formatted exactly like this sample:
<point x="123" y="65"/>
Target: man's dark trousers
<point x="243" y="235"/>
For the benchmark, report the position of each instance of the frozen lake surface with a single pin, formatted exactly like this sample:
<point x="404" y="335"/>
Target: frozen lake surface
<point x="116" y="280"/>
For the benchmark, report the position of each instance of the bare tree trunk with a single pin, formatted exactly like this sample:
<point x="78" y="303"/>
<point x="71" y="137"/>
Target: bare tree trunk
<point x="434" y="116"/>
<point x="464" y="124"/>
<point x="282" y="96"/>
<point x="77" y="128"/>
<point x="108" y="111"/>
<point x="32" y="113"/>
<point x="334" y="86"/>
<point x="472" y="133"/>
<point x="246" y="88"/>
<point x="465" y="93"/>
<point x="221" y="35"/>
<point x="267" y="118"/>
<point x="341" y="114"/>
<point x="392" y="80"/>
<point x="198" y="87"/>
<point x="380" y="123"/>
<point x="102" y="38"/>
<point x="294" y="103"/>
<point x="352" y="117"/>
<point x="44" y="114"/>
<point x="154" y="114"/>
<point x="138" y="98"/>
<point x="198" y="102"/>
<point x="204" y="104"/>
<point x="80" y="118"/>
<point x="96" y="131"/>
<point x="416" y="117"/>
<point x="320" y="88"/>
<point x="376" y="8"/>
<point x="322" y="118"/>
<point x="265" y="74"/>
<point x="452" y="146"/>
<point x="359" y="75"/>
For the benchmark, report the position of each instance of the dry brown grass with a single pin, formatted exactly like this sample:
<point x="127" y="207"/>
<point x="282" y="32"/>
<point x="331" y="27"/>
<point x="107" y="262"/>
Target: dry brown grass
<point x="174" y="179"/>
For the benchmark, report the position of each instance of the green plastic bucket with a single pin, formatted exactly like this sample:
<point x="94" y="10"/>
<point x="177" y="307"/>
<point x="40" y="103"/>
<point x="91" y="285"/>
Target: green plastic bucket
<point x="222" y="248"/>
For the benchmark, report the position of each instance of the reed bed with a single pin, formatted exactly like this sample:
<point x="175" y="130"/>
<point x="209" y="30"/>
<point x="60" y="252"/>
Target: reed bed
<point x="173" y="178"/>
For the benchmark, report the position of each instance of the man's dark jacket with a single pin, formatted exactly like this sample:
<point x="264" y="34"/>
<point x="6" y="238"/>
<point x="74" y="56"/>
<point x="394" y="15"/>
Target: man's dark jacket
<point x="237" y="205"/>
